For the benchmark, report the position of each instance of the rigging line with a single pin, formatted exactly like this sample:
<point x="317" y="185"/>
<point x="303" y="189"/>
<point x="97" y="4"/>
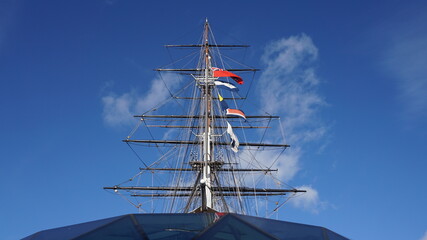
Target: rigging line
<point x="139" y="174"/>
<point x="163" y="158"/>
<point x="193" y="192"/>
<point x="134" y="129"/>
<point x="239" y="196"/>
<point x="253" y="160"/>
<point x="281" y="130"/>
<point x="222" y="196"/>
<point x="136" y="199"/>
<point x="191" y="31"/>
<point x="125" y="198"/>
<point x="192" y="60"/>
<point x="239" y="63"/>
<point x="256" y="199"/>
<point x="170" y="93"/>
<point x="278" y="207"/>
<point x="130" y="179"/>
<point x="277" y="158"/>
<point x="229" y="35"/>
<point x="152" y="137"/>
<point x="168" y="99"/>
<point x="217" y="51"/>
<point x="178" y="180"/>
<point x="187" y="136"/>
<point x="281" y="182"/>
<point x="265" y="131"/>
<point x="140" y="159"/>
<point x="166" y="86"/>
<point x="194" y="53"/>
<point x="250" y="87"/>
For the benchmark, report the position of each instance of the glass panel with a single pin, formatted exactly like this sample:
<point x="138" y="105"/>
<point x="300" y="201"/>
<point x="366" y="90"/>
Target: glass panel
<point x="174" y="226"/>
<point x="71" y="231"/>
<point x="285" y="230"/>
<point x="123" y="229"/>
<point x="229" y="228"/>
<point x="334" y="235"/>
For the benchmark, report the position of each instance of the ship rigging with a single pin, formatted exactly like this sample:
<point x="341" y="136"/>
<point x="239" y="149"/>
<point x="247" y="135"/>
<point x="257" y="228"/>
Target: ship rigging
<point x="205" y="167"/>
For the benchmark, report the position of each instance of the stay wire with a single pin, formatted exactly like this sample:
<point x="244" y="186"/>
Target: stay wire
<point x="137" y="155"/>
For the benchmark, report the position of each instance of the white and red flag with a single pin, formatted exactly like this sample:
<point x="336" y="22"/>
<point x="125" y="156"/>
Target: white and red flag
<point x="236" y="112"/>
<point x="218" y="72"/>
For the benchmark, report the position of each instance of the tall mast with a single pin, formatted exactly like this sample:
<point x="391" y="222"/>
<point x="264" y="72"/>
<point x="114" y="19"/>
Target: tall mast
<point x="205" y="182"/>
<point x="206" y="152"/>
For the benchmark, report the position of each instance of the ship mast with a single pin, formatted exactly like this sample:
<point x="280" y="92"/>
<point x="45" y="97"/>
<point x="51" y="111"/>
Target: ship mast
<point x="205" y="182"/>
<point x="207" y="193"/>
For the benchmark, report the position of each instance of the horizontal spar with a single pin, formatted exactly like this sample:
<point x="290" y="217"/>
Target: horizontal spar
<point x="242" y="144"/>
<point x="216" y="194"/>
<point x="175" y="126"/>
<point x="208" y="45"/>
<point x="215" y="189"/>
<point x="219" y="169"/>
<point x="202" y="69"/>
<point x="198" y="116"/>
<point x="198" y="98"/>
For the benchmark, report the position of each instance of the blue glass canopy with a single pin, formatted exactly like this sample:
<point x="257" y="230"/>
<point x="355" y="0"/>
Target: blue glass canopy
<point x="187" y="226"/>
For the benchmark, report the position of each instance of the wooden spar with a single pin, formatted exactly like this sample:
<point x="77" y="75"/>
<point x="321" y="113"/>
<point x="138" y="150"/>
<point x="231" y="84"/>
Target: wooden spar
<point x="199" y="70"/>
<point x="209" y="45"/>
<point x="198" y="98"/>
<point x="216" y="194"/>
<point x="243" y="144"/>
<point x="175" y="126"/>
<point x="214" y="189"/>
<point x="199" y="116"/>
<point x="219" y="169"/>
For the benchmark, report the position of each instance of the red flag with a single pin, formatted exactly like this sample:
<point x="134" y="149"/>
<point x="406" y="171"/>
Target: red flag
<point x="235" y="112"/>
<point x="218" y="72"/>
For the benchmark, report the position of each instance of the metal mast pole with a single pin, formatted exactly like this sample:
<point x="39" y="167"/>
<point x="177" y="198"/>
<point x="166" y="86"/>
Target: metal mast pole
<point x="205" y="182"/>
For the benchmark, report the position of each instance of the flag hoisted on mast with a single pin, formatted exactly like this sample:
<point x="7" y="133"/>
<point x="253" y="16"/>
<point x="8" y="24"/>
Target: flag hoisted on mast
<point x="226" y="85"/>
<point x="218" y="72"/>
<point x="209" y="165"/>
<point x="212" y="168"/>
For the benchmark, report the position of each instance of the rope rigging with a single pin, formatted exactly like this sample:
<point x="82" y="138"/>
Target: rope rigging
<point x="189" y="166"/>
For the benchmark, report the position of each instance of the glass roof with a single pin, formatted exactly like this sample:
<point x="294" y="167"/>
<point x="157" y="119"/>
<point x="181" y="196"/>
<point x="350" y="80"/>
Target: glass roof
<point x="186" y="226"/>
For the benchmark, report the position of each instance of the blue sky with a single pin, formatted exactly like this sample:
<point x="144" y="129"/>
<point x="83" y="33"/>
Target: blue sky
<point x="366" y="159"/>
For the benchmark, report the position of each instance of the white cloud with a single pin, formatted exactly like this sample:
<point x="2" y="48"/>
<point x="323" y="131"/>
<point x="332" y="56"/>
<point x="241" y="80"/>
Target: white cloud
<point x="424" y="237"/>
<point x="308" y="201"/>
<point x="406" y="61"/>
<point x="119" y="109"/>
<point x="289" y="88"/>
<point x="287" y="163"/>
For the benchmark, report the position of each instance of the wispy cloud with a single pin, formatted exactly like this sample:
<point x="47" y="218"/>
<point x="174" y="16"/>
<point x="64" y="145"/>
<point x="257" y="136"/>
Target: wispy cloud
<point x="119" y="109"/>
<point x="289" y="88"/>
<point x="308" y="201"/>
<point x="287" y="162"/>
<point x="424" y="237"/>
<point x="405" y="60"/>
